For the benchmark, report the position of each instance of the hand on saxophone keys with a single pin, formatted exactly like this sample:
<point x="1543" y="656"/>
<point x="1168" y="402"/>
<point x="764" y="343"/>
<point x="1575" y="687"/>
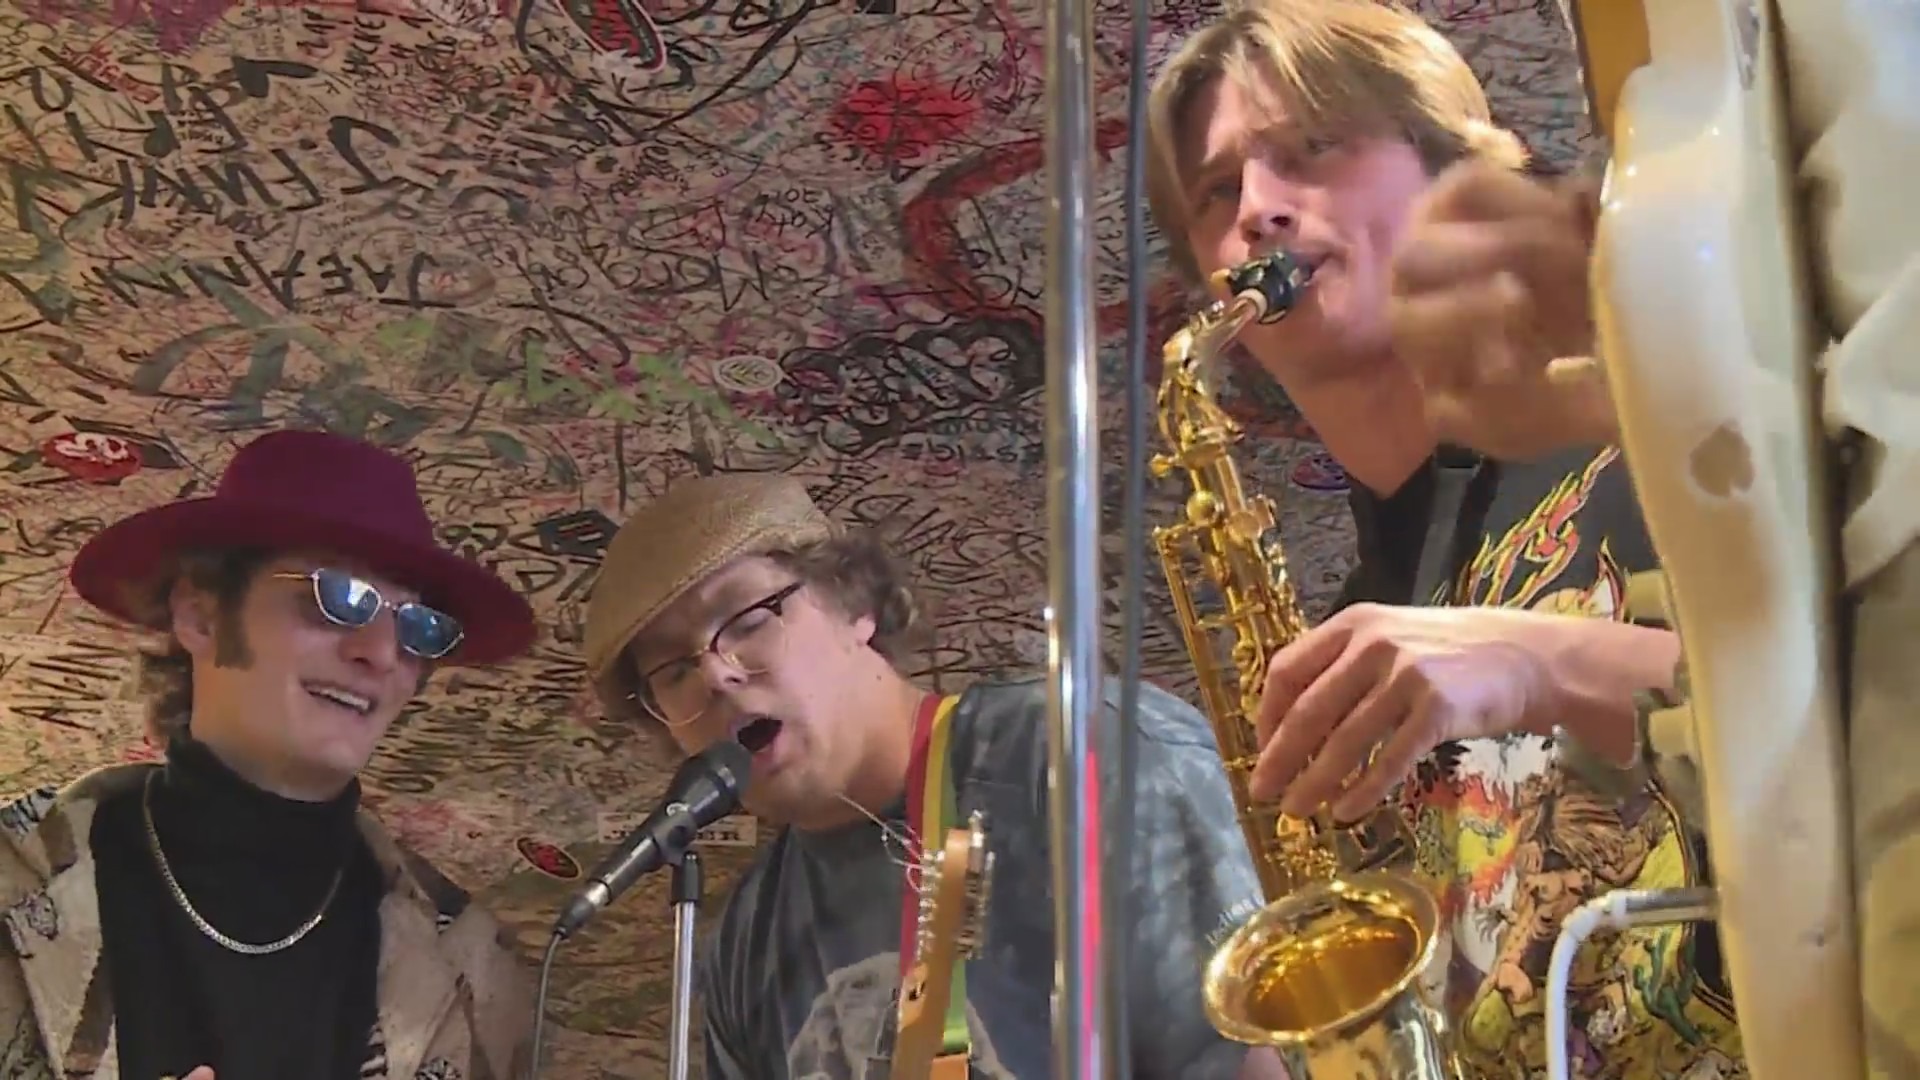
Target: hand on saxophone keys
<point x="1490" y="305"/>
<point x="1351" y="706"/>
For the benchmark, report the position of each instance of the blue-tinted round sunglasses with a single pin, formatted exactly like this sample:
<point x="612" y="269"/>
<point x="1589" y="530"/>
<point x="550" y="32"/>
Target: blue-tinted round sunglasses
<point x="348" y="601"/>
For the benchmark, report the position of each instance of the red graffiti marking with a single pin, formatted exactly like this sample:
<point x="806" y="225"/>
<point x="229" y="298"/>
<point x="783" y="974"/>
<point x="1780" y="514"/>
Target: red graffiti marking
<point x="92" y="456"/>
<point x="621" y="30"/>
<point x="900" y="120"/>
<point x="177" y="25"/>
<point x="142" y="751"/>
<point x="938" y="259"/>
<point x="946" y="273"/>
<point x="1320" y="473"/>
<point x="97" y="63"/>
<point x="549" y="859"/>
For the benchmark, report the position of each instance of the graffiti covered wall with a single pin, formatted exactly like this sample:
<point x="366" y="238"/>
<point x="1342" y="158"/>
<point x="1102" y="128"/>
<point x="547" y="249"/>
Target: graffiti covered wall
<point x="560" y="253"/>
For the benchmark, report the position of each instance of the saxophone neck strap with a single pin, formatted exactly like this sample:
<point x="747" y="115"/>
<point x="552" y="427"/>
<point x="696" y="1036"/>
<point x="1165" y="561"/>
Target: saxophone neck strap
<point x="932" y="809"/>
<point x="1462" y="487"/>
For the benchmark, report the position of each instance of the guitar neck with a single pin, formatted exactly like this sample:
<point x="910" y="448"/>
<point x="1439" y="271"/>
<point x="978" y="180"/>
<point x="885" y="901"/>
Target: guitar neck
<point x="926" y="992"/>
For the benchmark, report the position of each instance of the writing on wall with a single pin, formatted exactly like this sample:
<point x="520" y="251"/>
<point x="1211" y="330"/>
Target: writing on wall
<point x="560" y="256"/>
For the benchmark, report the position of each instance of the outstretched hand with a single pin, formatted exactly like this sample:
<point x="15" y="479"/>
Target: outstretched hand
<point x="1491" y="307"/>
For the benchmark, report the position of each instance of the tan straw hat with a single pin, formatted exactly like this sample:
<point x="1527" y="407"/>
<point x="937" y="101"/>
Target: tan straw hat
<point x="673" y="543"/>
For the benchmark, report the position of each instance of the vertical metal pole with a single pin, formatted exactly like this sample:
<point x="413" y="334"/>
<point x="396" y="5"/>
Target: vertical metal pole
<point x="687" y="886"/>
<point x="1077" y="728"/>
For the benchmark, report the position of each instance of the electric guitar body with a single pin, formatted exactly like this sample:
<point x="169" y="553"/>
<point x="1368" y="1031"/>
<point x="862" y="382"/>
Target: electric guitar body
<point x="1708" y="331"/>
<point x="954" y="886"/>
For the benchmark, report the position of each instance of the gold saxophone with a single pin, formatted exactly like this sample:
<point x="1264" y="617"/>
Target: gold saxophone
<point x="1336" y="972"/>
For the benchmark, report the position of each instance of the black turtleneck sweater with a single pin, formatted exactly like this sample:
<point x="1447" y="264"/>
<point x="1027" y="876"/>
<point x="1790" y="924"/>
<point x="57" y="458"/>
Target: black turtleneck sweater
<point x="256" y="866"/>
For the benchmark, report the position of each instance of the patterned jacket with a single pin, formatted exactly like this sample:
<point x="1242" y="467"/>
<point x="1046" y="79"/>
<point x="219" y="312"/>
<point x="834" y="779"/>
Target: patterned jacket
<point x="454" y="1000"/>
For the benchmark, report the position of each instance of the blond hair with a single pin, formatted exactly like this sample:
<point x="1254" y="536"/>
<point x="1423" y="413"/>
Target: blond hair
<point x="1331" y="64"/>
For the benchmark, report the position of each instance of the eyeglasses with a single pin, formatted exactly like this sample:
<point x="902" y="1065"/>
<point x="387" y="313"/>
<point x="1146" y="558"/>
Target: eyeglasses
<point x="749" y="642"/>
<point x="345" y="600"/>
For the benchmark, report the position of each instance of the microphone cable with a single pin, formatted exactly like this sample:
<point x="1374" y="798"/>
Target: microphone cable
<point x="540" y="1003"/>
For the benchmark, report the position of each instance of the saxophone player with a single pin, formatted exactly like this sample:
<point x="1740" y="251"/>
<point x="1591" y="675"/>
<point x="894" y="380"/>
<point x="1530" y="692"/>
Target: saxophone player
<point x="732" y="608"/>
<point x="1491" y="258"/>
<point x="1482" y="636"/>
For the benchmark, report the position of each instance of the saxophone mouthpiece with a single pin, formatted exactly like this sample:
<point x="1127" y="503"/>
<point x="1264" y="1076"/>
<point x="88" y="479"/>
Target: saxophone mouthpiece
<point x="1273" y="282"/>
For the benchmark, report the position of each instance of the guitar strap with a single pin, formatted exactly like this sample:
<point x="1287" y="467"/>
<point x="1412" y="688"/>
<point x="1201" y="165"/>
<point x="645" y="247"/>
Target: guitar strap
<point x="932" y="809"/>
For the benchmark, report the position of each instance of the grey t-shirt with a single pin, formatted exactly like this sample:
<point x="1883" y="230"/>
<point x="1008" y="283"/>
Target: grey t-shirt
<point x="802" y="970"/>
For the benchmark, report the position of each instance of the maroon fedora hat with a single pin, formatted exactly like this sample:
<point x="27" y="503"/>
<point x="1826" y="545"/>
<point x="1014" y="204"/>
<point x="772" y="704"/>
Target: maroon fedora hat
<point x="303" y="491"/>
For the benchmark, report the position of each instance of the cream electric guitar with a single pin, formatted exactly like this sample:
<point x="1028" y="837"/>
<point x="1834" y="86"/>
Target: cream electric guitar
<point x="1707" y="330"/>
<point x="954" y="886"/>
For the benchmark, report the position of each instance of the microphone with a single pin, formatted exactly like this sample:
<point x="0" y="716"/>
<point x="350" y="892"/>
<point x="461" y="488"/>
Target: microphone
<point x="705" y="789"/>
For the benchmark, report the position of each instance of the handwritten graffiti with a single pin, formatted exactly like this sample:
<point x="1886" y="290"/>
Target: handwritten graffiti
<point x="66" y="684"/>
<point x="876" y="388"/>
<point x="558" y="255"/>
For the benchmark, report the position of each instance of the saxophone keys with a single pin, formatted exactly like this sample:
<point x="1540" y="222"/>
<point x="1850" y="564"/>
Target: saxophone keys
<point x="1379" y="841"/>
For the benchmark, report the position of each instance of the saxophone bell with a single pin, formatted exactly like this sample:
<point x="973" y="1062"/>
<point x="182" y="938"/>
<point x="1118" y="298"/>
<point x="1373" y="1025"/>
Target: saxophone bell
<point x="1329" y="977"/>
<point x="1336" y="972"/>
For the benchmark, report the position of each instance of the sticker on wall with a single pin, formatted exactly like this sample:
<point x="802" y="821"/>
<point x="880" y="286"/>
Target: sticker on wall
<point x="747" y="374"/>
<point x="92" y="456"/>
<point x="740" y="830"/>
<point x="550" y="859"/>
<point x="1319" y="472"/>
<point x="736" y="831"/>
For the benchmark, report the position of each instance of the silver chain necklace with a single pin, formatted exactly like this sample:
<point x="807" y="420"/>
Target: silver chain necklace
<point x="205" y="927"/>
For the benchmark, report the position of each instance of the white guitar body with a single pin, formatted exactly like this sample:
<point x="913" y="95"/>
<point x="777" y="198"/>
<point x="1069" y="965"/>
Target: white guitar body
<point x="1707" y="333"/>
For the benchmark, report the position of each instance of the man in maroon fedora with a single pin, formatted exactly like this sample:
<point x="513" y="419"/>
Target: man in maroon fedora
<point x="234" y="913"/>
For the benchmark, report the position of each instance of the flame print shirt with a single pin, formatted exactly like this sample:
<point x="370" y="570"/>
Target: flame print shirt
<point x="1512" y="840"/>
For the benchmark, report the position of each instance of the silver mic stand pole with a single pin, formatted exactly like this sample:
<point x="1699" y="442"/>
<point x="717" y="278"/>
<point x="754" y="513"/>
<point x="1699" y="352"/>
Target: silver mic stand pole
<point x="685" y="899"/>
<point x="1080" y="738"/>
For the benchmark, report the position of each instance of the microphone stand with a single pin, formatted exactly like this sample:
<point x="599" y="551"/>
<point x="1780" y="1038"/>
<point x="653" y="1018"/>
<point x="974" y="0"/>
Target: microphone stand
<point x="685" y="901"/>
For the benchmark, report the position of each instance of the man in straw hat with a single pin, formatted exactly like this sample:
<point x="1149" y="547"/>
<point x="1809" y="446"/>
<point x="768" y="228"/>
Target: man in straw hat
<point x="732" y="608"/>
<point x="1452" y="679"/>
<point x="232" y="912"/>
